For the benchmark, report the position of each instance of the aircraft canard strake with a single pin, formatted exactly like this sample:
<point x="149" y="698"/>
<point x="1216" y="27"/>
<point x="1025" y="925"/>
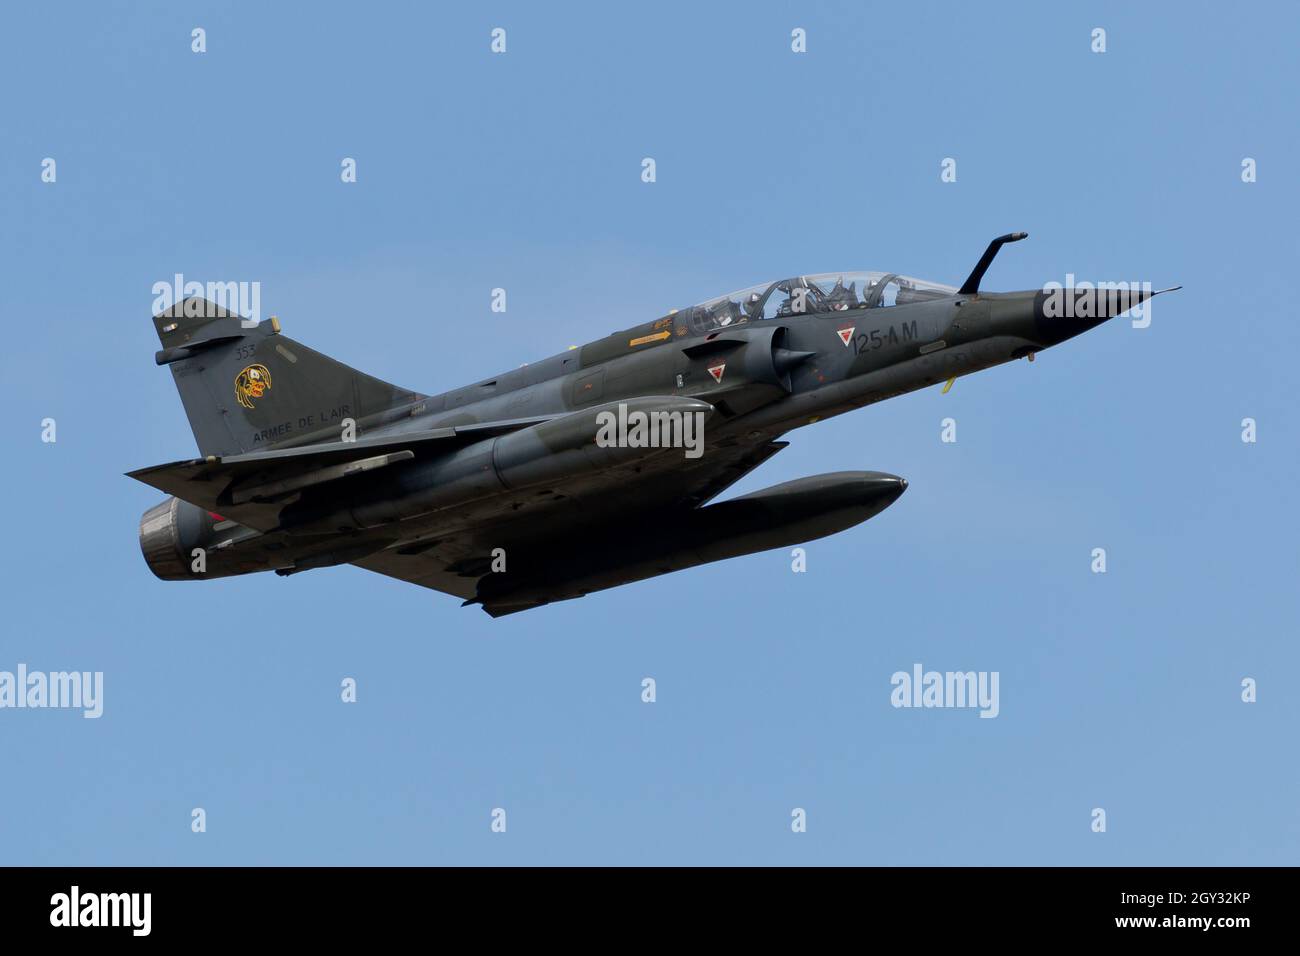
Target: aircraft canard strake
<point x="502" y="493"/>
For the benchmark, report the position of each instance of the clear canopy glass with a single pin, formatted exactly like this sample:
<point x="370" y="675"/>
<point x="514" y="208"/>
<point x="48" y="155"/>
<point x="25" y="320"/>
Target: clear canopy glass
<point x="807" y="295"/>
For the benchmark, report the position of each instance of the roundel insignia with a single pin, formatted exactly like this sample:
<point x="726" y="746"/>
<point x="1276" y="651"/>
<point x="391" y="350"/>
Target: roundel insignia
<point x="251" y="384"/>
<point x="717" y="370"/>
<point x="846" y="335"/>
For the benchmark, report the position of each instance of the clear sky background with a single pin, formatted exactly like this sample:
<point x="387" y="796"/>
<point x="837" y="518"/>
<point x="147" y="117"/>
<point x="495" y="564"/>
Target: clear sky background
<point x="1119" y="690"/>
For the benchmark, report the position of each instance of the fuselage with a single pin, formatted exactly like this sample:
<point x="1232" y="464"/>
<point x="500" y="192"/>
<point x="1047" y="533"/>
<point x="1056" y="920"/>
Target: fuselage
<point x="763" y="374"/>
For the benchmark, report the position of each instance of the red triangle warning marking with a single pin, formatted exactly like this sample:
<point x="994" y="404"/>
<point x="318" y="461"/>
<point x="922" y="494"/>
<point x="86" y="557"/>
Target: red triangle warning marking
<point x="716" y="371"/>
<point x="846" y="335"/>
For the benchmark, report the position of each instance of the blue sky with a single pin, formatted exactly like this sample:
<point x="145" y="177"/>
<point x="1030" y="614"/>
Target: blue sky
<point x="1119" y="691"/>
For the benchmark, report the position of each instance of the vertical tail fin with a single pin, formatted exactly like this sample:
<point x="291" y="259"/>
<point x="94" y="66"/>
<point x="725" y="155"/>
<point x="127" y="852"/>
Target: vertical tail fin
<point x="248" y="388"/>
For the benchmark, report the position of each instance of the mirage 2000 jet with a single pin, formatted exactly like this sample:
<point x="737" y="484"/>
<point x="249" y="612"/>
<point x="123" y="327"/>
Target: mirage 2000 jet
<point x="546" y="483"/>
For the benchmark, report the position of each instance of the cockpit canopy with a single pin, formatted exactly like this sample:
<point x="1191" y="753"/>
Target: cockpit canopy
<point x="809" y="295"/>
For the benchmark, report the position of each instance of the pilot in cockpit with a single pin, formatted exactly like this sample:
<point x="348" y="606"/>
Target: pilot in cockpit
<point x="727" y="313"/>
<point x="840" y="298"/>
<point x="786" y="307"/>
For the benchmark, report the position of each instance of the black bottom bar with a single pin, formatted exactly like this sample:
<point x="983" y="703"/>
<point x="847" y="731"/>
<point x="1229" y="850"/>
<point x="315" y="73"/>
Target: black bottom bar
<point x="367" y="905"/>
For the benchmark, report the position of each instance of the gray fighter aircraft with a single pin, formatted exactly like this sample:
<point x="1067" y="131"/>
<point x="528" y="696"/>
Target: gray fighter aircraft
<point x="503" y="492"/>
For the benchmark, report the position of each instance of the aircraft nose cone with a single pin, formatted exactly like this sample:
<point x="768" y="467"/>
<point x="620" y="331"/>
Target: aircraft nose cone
<point x="1063" y="313"/>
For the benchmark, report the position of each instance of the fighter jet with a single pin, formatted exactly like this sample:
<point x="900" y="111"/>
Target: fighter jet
<point x="585" y="471"/>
